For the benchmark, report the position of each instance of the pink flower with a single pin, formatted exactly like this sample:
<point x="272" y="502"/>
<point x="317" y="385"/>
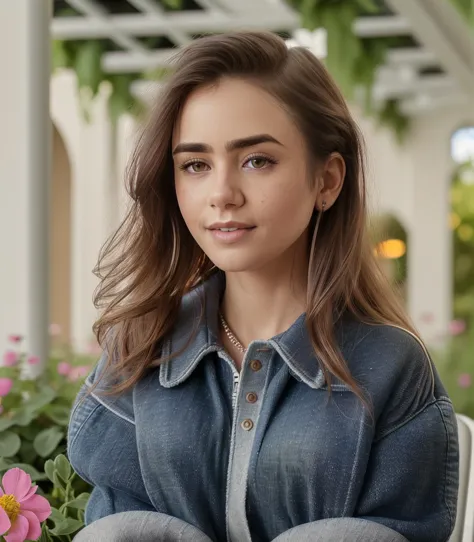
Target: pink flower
<point x="21" y="511"/>
<point x="5" y="386"/>
<point x="33" y="360"/>
<point x="55" y="330"/>
<point x="457" y="327"/>
<point x="464" y="380"/>
<point x="79" y="372"/>
<point x="15" y="338"/>
<point x="10" y="358"/>
<point x="64" y="368"/>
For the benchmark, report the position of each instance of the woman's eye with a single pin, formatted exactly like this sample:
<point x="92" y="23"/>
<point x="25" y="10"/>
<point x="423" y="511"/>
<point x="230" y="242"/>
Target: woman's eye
<point x="196" y="167"/>
<point x="258" y="162"/>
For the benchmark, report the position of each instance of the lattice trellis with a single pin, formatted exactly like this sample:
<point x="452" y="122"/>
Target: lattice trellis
<point x="143" y="34"/>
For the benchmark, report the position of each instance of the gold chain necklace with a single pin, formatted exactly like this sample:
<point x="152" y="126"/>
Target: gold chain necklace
<point x="232" y="338"/>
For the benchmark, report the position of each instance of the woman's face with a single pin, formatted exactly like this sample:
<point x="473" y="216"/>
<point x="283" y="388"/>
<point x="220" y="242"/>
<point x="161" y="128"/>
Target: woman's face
<point x="242" y="178"/>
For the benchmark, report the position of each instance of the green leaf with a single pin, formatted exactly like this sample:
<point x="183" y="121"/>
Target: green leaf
<point x="49" y="469"/>
<point x="62" y="466"/>
<point x="61" y="57"/>
<point x="343" y="47"/>
<point x="56" y="516"/>
<point x="80" y="502"/>
<point x="45" y="536"/>
<point x="173" y="4"/>
<point x="23" y="418"/>
<point x="47" y="440"/>
<point x="10" y="443"/>
<point x="120" y="99"/>
<point x="5" y="464"/>
<point x="88" y="65"/>
<point x="68" y="526"/>
<point x="6" y="423"/>
<point x="369" y="6"/>
<point x="58" y="481"/>
<point x="27" y="452"/>
<point x="29" y="432"/>
<point x="309" y="14"/>
<point x="59" y="414"/>
<point x="40" y="400"/>
<point x="390" y="115"/>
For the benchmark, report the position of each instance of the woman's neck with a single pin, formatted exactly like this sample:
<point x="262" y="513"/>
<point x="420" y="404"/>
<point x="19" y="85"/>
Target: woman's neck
<point x="259" y="305"/>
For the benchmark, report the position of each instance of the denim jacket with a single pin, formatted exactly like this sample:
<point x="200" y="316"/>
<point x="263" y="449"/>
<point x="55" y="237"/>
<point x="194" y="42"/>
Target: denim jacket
<point x="246" y="456"/>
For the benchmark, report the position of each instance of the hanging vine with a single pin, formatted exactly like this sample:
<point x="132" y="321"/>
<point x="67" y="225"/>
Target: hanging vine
<point x="353" y="61"/>
<point x="84" y="57"/>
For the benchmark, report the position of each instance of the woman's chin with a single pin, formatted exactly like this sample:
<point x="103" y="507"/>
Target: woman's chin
<point x="236" y="263"/>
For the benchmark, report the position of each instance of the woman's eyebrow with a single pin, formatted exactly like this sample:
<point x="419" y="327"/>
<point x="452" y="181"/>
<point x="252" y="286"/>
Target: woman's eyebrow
<point x="230" y="146"/>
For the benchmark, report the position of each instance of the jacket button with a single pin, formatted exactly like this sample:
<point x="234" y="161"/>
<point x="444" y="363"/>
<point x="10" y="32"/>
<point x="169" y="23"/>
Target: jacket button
<point x="255" y="365"/>
<point x="247" y="425"/>
<point x="251" y="397"/>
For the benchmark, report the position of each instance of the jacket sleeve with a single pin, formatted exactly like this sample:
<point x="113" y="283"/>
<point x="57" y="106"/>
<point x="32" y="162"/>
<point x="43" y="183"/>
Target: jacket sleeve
<point x="102" y="450"/>
<point x="410" y="484"/>
<point x="412" y="477"/>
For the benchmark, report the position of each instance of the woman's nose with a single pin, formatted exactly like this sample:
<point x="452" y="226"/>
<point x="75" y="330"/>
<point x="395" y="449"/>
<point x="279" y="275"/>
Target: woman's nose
<point x="225" y="192"/>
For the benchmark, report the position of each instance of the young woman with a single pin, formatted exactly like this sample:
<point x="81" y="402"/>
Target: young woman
<point x="259" y="376"/>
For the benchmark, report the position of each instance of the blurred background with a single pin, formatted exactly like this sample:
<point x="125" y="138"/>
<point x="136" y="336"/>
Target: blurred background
<point x="79" y="75"/>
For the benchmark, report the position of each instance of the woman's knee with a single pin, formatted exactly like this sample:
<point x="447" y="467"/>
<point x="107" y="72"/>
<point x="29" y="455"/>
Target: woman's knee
<point x="341" y="530"/>
<point x="140" y="526"/>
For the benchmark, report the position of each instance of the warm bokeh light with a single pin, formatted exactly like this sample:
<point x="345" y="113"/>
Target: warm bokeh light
<point x="454" y="221"/>
<point x="391" y="249"/>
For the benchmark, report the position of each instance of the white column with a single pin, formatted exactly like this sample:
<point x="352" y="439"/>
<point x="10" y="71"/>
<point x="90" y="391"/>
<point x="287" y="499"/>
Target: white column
<point x="25" y="139"/>
<point x="430" y="259"/>
<point x="92" y="209"/>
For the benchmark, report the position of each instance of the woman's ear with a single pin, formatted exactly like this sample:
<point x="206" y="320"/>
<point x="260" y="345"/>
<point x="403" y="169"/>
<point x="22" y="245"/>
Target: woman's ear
<point x="331" y="181"/>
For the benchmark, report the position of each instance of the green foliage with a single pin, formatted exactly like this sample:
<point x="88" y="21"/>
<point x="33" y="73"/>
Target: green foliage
<point x="462" y="201"/>
<point x="390" y="115"/>
<point x="33" y="427"/>
<point x="173" y="4"/>
<point x="466" y="7"/>
<point x="67" y="517"/>
<point x="85" y="58"/>
<point x="353" y="61"/>
<point x="455" y="362"/>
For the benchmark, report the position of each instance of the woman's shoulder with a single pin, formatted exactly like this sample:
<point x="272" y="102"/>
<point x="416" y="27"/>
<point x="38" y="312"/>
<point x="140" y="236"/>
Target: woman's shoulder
<point x="393" y="366"/>
<point x="395" y="342"/>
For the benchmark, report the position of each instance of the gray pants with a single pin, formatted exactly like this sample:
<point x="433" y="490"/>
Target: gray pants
<point x="156" y="527"/>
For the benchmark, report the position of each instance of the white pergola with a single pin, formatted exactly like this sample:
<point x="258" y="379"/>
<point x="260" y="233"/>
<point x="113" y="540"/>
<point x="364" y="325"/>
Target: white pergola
<point x="438" y="70"/>
<point x="431" y="75"/>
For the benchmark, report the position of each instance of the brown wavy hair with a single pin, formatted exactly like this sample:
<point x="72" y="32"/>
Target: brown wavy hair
<point x="152" y="260"/>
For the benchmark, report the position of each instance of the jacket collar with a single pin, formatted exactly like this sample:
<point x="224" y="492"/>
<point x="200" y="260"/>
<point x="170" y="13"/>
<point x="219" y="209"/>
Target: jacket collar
<point x="196" y="334"/>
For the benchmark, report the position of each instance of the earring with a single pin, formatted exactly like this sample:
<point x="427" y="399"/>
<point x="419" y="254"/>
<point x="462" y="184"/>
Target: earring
<point x="315" y="234"/>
